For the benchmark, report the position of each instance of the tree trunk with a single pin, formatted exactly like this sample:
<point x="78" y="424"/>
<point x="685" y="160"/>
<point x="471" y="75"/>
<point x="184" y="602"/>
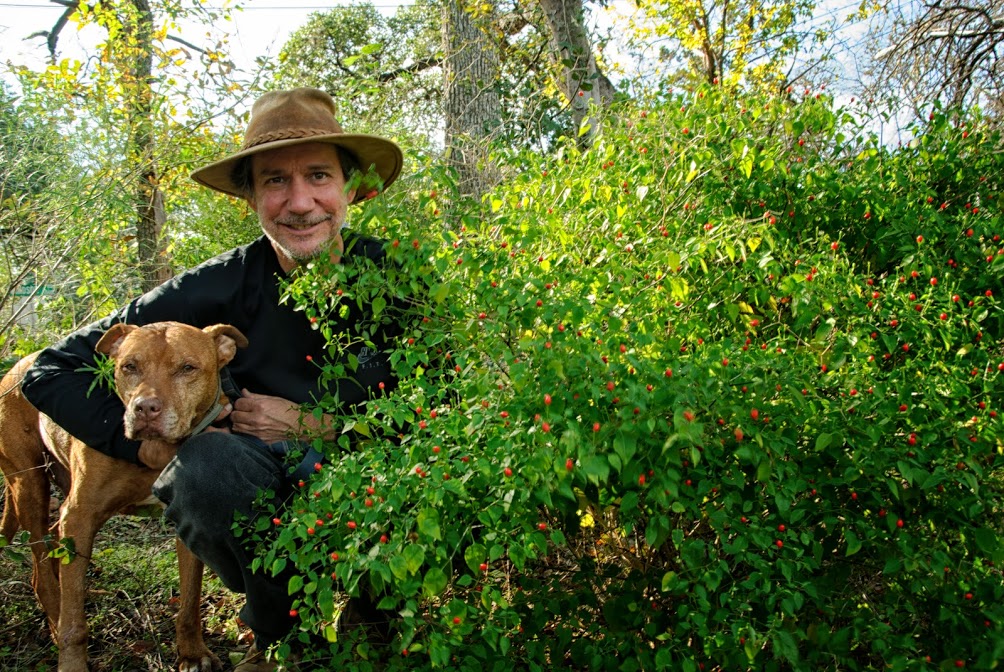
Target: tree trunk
<point x="582" y="82"/>
<point x="472" y="105"/>
<point x="151" y="255"/>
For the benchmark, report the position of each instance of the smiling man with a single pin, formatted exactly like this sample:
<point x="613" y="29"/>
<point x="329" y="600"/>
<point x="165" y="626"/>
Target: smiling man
<point x="294" y="169"/>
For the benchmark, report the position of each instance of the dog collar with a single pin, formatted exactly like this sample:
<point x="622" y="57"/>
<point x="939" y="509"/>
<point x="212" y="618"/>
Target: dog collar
<point x="210" y="415"/>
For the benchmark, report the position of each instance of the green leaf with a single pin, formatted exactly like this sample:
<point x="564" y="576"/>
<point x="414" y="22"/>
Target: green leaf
<point x="474" y="555"/>
<point x="596" y="468"/>
<point x="434" y="582"/>
<point x="399" y="567"/>
<point x="625" y="445"/>
<point x="414" y="556"/>
<point x="785" y="646"/>
<point x="428" y="524"/>
<point x="853" y="543"/>
<point x="987" y="541"/>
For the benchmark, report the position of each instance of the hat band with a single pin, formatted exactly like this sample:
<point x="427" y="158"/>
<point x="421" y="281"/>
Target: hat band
<point x="288" y="135"/>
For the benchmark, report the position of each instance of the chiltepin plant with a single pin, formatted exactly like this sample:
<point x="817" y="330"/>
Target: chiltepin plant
<point x="721" y="392"/>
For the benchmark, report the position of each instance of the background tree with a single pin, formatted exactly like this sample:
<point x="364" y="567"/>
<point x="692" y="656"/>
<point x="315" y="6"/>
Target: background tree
<point x="33" y="165"/>
<point x="116" y="110"/>
<point x="738" y="42"/>
<point x="472" y="107"/>
<point x="382" y="72"/>
<point x="950" y="52"/>
<point x="581" y="81"/>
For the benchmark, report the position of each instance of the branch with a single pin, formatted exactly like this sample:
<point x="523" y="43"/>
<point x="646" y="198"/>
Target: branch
<point x="52" y="36"/>
<point x="188" y="44"/>
<point x="417" y="66"/>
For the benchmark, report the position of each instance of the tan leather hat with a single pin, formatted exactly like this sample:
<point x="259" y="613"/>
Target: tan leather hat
<point x="283" y="118"/>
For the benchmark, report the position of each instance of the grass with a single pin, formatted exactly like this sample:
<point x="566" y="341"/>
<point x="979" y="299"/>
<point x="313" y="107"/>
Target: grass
<point x="130" y="605"/>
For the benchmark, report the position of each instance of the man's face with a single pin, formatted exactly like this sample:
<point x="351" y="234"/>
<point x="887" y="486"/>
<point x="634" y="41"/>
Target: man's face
<point x="300" y="198"/>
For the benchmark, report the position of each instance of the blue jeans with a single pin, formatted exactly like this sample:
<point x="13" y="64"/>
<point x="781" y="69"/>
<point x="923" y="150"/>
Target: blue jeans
<point x="214" y="476"/>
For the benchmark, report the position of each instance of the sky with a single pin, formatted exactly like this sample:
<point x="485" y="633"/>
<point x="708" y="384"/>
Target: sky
<point x="261" y="27"/>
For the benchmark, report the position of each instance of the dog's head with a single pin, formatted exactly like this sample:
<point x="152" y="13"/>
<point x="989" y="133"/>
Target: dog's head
<point x="167" y="374"/>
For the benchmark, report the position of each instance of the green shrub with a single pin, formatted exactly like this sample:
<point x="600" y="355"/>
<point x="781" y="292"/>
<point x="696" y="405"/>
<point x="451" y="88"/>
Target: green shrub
<point x="696" y="398"/>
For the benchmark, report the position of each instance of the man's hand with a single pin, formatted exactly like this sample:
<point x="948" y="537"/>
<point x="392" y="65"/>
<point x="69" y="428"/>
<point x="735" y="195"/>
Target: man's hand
<point x="269" y="418"/>
<point x="156" y="454"/>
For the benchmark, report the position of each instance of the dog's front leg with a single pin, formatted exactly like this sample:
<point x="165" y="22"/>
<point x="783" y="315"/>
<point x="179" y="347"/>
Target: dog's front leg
<point x="79" y="526"/>
<point x="193" y="654"/>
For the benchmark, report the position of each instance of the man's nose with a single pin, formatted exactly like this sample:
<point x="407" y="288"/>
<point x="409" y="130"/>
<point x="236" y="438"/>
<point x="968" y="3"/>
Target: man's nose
<point x="301" y="197"/>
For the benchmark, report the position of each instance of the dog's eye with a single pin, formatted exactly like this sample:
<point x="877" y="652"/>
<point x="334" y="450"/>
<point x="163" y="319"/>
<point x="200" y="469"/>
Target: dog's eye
<point x="187" y="368"/>
<point x="129" y="367"/>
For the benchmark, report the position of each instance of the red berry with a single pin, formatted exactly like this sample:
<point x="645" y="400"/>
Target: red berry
<point x="507" y="471"/>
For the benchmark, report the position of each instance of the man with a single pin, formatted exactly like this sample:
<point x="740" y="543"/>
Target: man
<point x="296" y="169"/>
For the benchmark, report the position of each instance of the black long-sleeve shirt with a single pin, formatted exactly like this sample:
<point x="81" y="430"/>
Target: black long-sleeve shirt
<point x="240" y="288"/>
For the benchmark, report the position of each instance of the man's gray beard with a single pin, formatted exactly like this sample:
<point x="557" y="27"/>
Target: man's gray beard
<point x="300" y="257"/>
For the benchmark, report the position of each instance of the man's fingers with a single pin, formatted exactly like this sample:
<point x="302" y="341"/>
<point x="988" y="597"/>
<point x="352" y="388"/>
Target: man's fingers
<point x="227" y="410"/>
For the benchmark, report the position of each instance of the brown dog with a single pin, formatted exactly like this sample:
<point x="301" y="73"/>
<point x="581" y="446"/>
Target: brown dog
<point x="167" y="375"/>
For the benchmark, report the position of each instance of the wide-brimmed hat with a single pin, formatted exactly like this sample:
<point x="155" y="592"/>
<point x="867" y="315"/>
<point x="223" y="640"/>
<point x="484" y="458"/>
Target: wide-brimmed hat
<point x="297" y="116"/>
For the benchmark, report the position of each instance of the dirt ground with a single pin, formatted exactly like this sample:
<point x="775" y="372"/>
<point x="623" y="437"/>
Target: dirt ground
<point x="131" y="601"/>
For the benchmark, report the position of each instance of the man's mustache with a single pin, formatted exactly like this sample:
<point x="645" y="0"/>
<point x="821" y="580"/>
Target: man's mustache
<point x="295" y="220"/>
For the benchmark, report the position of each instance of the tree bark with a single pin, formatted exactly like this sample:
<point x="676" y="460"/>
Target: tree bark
<point x="150" y="215"/>
<point x="471" y="104"/>
<point x="582" y="81"/>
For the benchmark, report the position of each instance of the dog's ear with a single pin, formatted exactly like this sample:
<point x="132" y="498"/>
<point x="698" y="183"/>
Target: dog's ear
<point x="112" y="339"/>
<point x="228" y="339"/>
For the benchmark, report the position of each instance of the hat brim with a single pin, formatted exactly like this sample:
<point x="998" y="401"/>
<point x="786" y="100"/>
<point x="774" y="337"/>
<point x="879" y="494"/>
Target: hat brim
<point x="383" y="156"/>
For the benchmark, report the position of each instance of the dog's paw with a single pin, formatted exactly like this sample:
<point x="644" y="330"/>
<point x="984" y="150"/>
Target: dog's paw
<point x="206" y="662"/>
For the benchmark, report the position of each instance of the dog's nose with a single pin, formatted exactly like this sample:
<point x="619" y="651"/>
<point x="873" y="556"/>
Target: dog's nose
<point x="146" y="408"/>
